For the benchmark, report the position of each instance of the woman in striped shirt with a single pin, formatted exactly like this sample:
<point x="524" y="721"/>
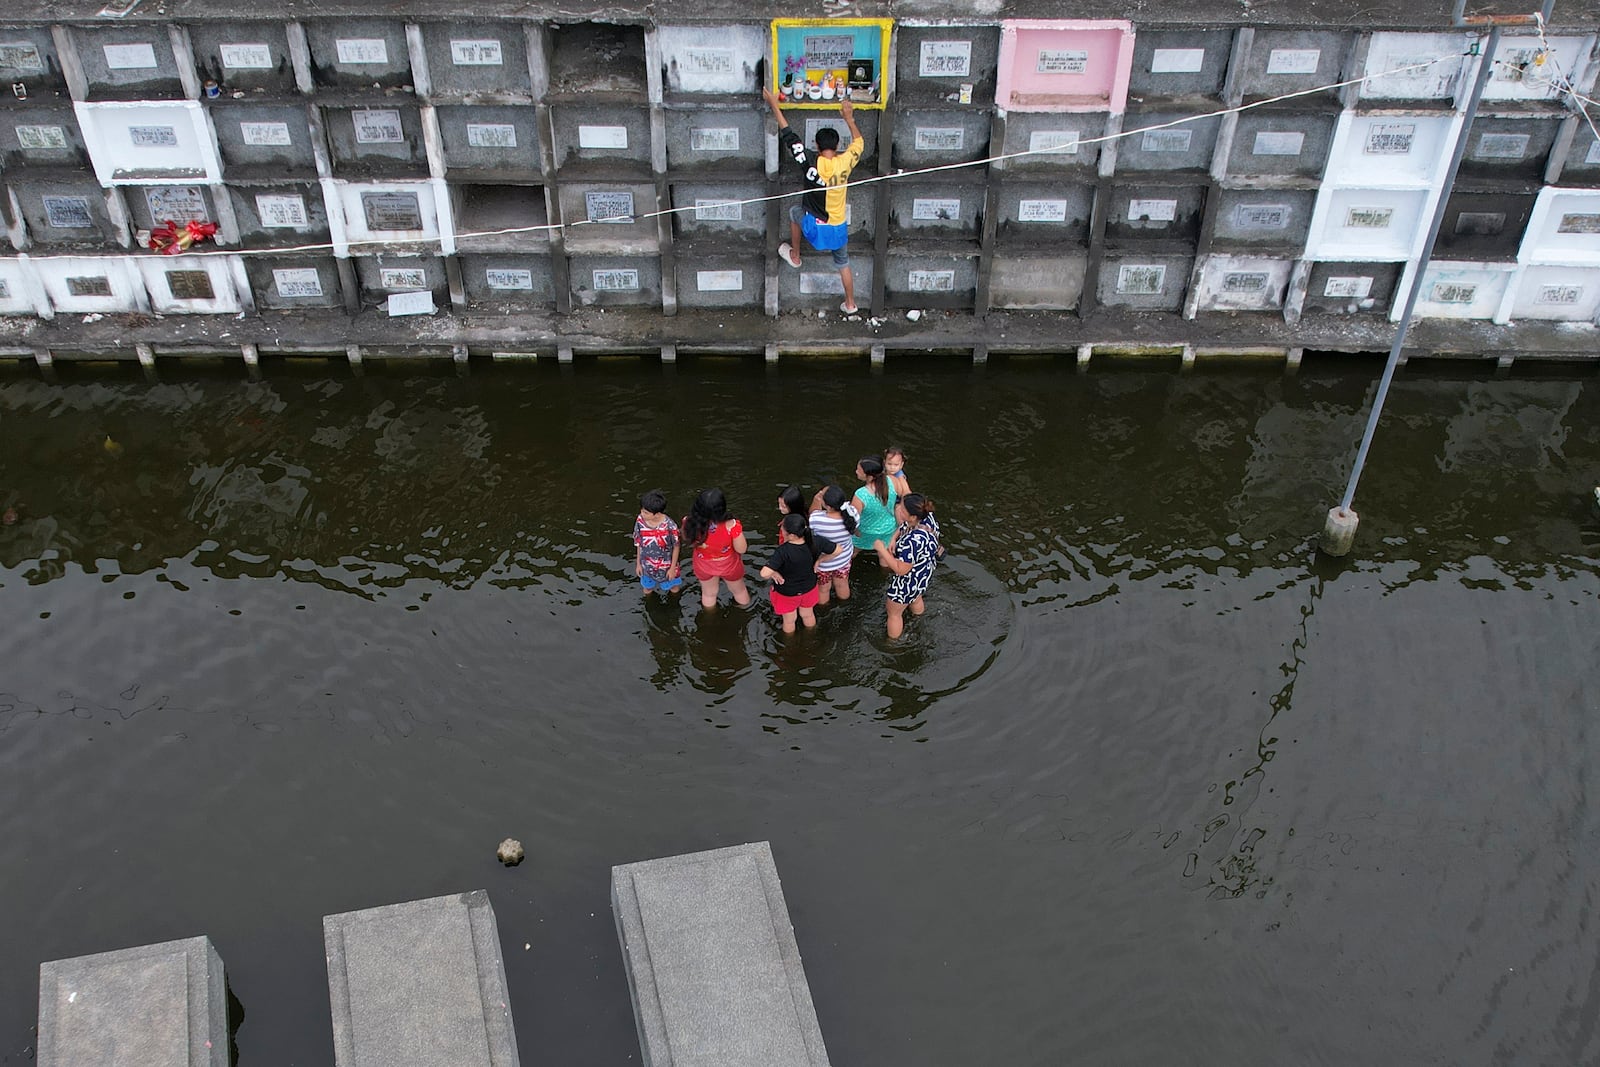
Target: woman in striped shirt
<point x="833" y="518"/>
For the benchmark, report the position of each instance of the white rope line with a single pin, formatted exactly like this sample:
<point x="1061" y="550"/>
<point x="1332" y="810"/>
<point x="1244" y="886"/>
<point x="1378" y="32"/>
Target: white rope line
<point x="896" y="175"/>
<point x="1581" y="101"/>
<point x="1561" y="84"/>
<point x="1566" y="84"/>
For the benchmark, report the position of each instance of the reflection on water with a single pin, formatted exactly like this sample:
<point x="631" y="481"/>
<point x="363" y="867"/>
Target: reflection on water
<point x="845" y="665"/>
<point x="372" y="621"/>
<point x="527" y="478"/>
<point x="1227" y="841"/>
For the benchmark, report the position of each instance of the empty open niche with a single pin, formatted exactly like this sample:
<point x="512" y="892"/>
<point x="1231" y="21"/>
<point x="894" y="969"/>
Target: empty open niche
<point x="590" y="57"/>
<point x="486" y="209"/>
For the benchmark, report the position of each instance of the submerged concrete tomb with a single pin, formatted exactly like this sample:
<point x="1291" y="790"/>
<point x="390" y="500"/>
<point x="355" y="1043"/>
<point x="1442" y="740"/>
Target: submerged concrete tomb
<point x="162" y="1005"/>
<point x="420" y="984"/>
<point x="712" y="962"/>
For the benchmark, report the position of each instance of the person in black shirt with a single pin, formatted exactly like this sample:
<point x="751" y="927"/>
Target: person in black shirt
<point x="792" y="569"/>
<point x="822" y="212"/>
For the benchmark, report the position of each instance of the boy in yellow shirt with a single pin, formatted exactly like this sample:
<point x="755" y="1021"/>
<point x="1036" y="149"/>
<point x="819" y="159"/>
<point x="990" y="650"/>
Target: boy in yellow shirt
<point x="821" y="213"/>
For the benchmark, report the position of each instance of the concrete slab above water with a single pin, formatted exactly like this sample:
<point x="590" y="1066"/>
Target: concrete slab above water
<point x="712" y="962"/>
<point x="419" y="984"/>
<point x="163" y="1004"/>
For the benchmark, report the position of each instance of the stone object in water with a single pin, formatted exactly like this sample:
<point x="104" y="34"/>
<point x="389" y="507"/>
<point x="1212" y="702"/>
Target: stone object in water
<point x="1339" y="532"/>
<point x="712" y="962"/>
<point x="510" y="852"/>
<point x="154" y="1004"/>
<point x="419" y="984"/>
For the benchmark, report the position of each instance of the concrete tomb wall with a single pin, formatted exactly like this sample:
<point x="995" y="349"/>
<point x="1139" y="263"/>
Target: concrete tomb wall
<point x="545" y="164"/>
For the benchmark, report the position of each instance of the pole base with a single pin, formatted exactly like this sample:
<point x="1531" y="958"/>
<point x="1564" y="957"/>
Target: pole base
<point x="1339" y="534"/>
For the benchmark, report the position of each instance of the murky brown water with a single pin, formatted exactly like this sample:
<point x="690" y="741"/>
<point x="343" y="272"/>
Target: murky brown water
<point x="1148" y="784"/>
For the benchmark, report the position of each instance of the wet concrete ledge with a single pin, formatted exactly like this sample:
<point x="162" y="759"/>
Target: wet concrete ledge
<point x="712" y="962"/>
<point x="642" y="330"/>
<point x="419" y="984"/>
<point x="151" y="1005"/>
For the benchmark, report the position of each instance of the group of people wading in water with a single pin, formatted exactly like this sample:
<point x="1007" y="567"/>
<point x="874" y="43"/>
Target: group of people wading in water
<point x="816" y="545"/>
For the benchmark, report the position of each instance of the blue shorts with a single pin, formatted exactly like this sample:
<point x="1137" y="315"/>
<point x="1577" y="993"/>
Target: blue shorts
<point x="663" y="583"/>
<point x="841" y="255"/>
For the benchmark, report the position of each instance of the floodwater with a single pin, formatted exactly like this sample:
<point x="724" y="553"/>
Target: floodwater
<point x="1148" y="784"/>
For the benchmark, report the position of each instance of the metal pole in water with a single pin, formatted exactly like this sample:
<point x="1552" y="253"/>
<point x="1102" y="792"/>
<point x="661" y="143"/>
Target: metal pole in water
<point x="1339" y="532"/>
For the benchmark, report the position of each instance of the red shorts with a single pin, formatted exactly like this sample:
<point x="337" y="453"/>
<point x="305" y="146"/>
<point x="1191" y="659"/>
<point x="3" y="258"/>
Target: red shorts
<point x="728" y="568"/>
<point x="785" y="604"/>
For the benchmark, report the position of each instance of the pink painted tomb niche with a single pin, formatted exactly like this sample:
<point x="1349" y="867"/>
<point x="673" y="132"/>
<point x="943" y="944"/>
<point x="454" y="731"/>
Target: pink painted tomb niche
<point x="1064" y="64"/>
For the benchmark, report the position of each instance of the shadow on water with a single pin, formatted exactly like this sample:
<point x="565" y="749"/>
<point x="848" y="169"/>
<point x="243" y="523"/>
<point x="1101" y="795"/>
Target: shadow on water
<point x="235" y="1020"/>
<point x="1229" y="843"/>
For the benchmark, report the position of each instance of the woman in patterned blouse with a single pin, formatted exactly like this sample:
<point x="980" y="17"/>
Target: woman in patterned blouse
<point x="910" y="555"/>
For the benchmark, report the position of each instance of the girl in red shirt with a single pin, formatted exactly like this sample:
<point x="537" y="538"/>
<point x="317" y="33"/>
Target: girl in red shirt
<point x="719" y="545"/>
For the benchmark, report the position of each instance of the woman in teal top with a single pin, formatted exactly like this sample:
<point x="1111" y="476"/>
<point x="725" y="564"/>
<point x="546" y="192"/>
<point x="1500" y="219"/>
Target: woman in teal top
<point x="875" y="503"/>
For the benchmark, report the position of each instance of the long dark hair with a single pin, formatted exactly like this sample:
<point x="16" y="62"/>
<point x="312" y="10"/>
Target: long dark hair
<point x="796" y="525"/>
<point x="709" y="509"/>
<point x="917" y="505"/>
<point x="793" y="499"/>
<point x="834" y="498"/>
<point x="872" y="467"/>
